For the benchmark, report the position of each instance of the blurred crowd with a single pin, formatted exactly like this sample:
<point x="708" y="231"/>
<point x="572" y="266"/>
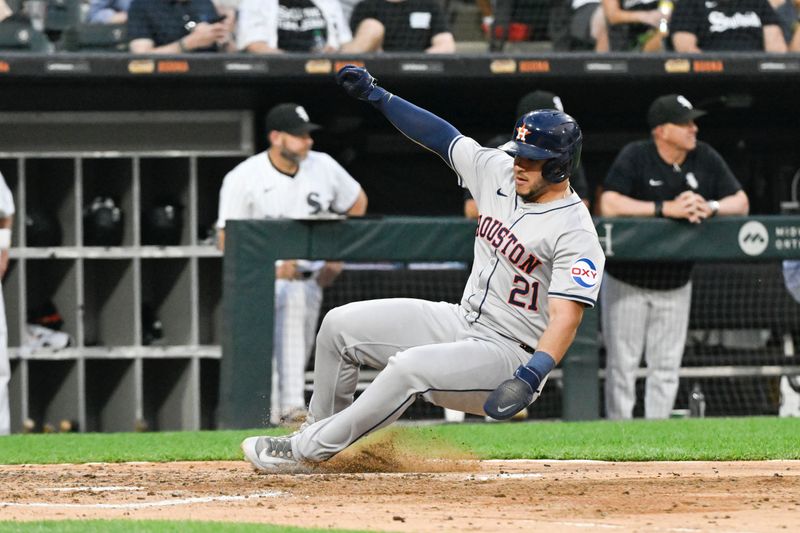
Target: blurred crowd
<point x="416" y="26"/>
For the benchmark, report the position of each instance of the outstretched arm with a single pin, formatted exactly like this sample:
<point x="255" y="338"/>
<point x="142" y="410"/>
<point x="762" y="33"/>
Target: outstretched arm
<point x="419" y="125"/>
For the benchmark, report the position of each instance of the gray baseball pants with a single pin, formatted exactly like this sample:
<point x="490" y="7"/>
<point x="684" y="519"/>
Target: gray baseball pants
<point x="637" y="321"/>
<point x="5" y="371"/>
<point x="423" y="348"/>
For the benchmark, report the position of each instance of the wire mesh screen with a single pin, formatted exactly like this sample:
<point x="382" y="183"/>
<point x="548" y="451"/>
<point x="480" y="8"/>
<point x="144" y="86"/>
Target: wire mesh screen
<point x="744" y="327"/>
<point x="743" y="330"/>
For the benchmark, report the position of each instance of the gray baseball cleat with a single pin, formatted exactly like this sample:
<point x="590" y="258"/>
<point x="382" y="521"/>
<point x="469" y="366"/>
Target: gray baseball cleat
<point x="269" y="453"/>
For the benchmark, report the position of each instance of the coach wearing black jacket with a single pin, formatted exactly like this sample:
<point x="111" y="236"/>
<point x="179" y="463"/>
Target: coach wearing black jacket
<point x="646" y="304"/>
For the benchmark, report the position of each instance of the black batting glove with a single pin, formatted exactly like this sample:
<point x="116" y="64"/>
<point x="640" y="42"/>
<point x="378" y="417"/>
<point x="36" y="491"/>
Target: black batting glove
<point x="513" y="395"/>
<point x="359" y="83"/>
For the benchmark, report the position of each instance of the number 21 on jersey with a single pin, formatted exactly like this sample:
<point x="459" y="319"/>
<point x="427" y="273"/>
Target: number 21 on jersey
<point x="524" y="294"/>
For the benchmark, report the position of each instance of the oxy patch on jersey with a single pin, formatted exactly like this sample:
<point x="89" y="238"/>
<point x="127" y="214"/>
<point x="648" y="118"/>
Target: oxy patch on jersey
<point x="584" y="273"/>
<point x="501" y="238"/>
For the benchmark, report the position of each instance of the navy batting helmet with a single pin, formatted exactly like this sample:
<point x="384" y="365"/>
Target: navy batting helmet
<point x="551" y="135"/>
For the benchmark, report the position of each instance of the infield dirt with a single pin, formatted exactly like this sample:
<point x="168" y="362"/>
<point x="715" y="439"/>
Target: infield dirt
<point x="382" y="487"/>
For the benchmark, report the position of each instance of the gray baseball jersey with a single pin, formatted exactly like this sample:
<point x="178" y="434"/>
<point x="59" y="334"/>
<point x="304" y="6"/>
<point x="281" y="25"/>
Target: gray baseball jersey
<point x="524" y="252"/>
<point x="454" y="355"/>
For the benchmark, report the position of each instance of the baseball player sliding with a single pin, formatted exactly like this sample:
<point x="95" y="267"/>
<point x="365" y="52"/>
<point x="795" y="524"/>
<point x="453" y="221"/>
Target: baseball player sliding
<point x="537" y="264"/>
<point x="290" y="180"/>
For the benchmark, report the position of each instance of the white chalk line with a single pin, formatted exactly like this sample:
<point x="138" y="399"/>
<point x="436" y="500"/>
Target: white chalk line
<point x="596" y="525"/>
<point x="144" y="505"/>
<point x="503" y="476"/>
<point x="91" y="489"/>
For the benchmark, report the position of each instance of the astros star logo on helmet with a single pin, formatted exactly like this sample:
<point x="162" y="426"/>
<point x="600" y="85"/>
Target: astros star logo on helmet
<point x="522" y="132"/>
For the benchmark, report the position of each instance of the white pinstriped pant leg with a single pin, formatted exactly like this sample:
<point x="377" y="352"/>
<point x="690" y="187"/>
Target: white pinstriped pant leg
<point x="281" y="287"/>
<point x="668" y="323"/>
<point x="293" y="315"/>
<point x="5" y="370"/>
<point x="624" y="319"/>
<point x="303" y="311"/>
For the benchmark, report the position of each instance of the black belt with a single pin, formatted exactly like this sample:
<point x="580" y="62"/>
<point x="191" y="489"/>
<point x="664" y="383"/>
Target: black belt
<point x="527" y="348"/>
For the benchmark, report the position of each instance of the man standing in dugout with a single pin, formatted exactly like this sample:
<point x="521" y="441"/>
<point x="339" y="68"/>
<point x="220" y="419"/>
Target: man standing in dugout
<point x="291" y="181"/>
<point x="646" y="304"/>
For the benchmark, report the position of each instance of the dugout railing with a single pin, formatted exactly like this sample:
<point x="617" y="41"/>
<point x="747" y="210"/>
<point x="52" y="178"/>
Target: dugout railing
<point x="739" y="262"/>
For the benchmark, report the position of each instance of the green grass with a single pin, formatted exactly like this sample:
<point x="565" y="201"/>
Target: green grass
<point x="147" y="526"/>
<point x="710" y="439"/>
<point x="638" y="440"/>
<point x="121" y="447"/>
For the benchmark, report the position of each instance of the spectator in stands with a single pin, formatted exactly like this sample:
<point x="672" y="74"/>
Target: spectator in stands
<point x="729" y="25"/>
<point x="531" y="101"/>
<point x="347" y="8"/>
<point x="400" y="26"/>
<point x="633" y="25"/>
<point x="578" y="25"/>
<point x="116" y="11"/>
<point x="175" y="27"/>
<point x="7" y="13"/>
<point x="787" y="15"/>
<point x="275" y="26"/>
<point x="646" y="304"/>
<point x="108" y="11"/>
<point x="794" y="46"/>
<point x="5" y="10"/>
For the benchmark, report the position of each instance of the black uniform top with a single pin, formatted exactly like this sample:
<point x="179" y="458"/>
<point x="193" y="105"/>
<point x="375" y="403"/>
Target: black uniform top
<point x="627" y="37"/>
<point x="409" y="25"/>
<point x="725" y="24"/>
<point x="165" y="21"/>
<point x="639" y="172"/>
<point x="299" y="22"/>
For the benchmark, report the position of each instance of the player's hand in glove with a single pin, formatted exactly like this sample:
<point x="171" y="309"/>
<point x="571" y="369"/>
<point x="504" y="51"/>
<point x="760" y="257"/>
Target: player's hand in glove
<point x="359" y="83"/>
<point x="515" y="394"/>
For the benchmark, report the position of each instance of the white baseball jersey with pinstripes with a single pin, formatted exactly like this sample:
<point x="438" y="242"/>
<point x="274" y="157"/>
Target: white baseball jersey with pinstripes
<point x="524" y="252"/>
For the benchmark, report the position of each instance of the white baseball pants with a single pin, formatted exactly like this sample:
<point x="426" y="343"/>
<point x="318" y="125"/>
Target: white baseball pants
<point x="297" y="305"/>
<point x="5" y="370"/>
<point x="637" y="321"/>
<point x="423" y="348"/>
